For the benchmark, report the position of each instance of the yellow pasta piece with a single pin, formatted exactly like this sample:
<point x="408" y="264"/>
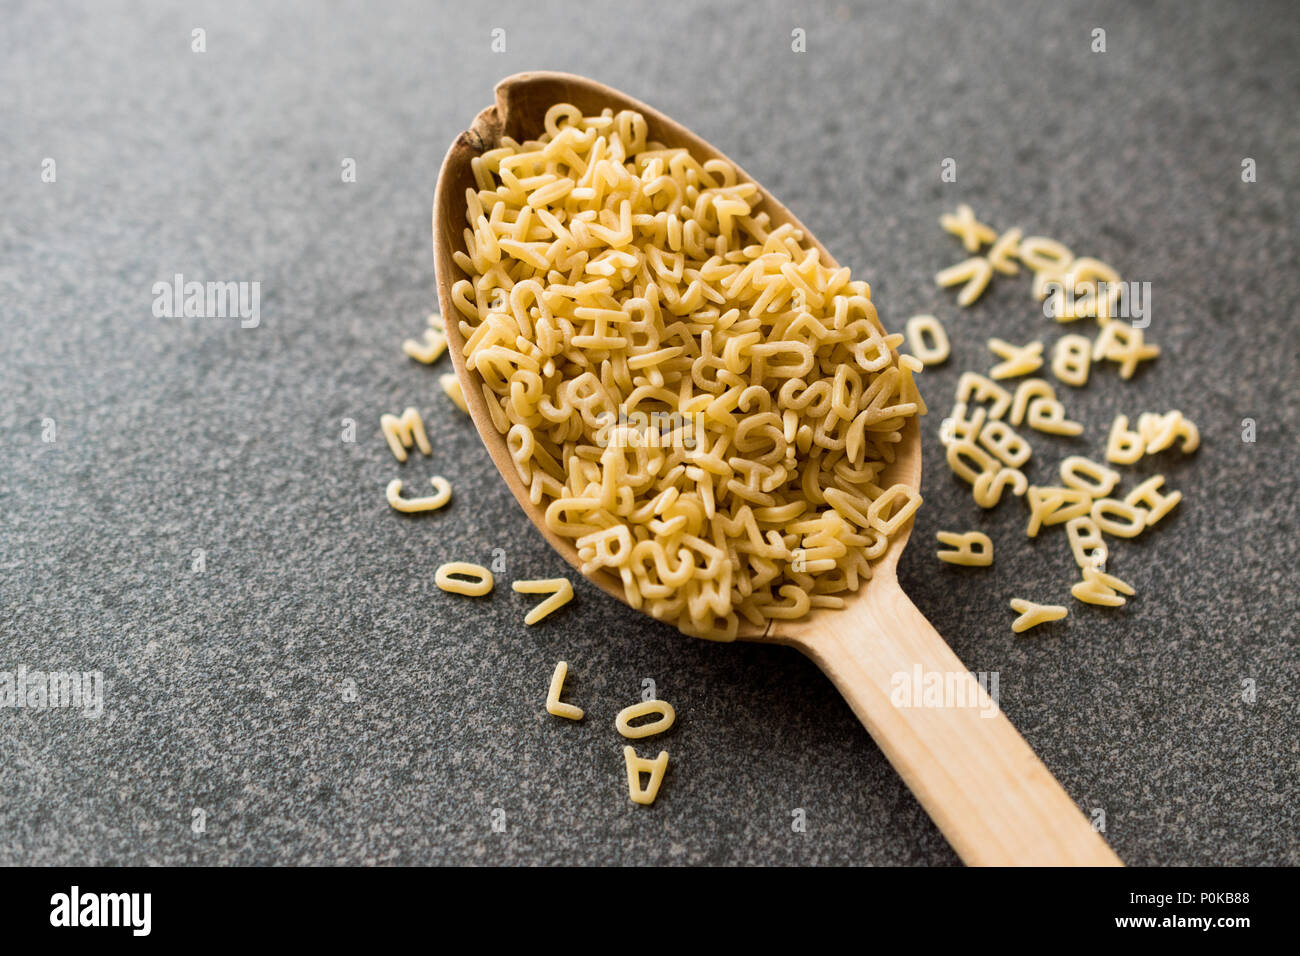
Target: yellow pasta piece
<point x="1086" y="543"/>
<point x="1162" y="431"/>
<point x="1087" y="475"/>
<point x="1002" y="441"/>
<point x="1050" y="506"/>
<point x="1048" y="415"/>
<point x="887" y="513"/>
<point x="1147" y="497"/>
<point x="401" y="433"/>
<point x="976" y="388"/>
<point x="480" y="585"/>
<point x="554" y="705"/>
<point x="1031" y="614"/>
<point x="972" y="274"/>
<point x="434" y="344"/>
<point x="957" y="427"/>
<point x="559" y="589"/>
<point x="1158" y="431"/>
<point x="1051" y="284"/>
<point x="1189" y="433"/>
<point x="1041" y="253"/>
<point x="972" y="549"/>
<point x="1109" y="580"/>
<point x="1123" y="447"/>
<point x="1119" y="518"/>
<point x="1003" y="254"/>
<point x="1072" y="359"/>
<point x="1090" y="593"/>
<point x="1098" y="587"/>
<point x="442" y="495"/>
<point x="967" y="228"/>
<point x="1125" y="345"/>
<point x="960" y="453"/>
<point x="667" y="716"/>
<point x="989" y="485"/>
<point x="927" y="339"/>
<point x="909" y="367"/>
<point x="451" y="386"/>
<point x="638" y="765"/>
<point x="1027" y="391"/>
<point x="1018" y="359"/>
<point x="1086" y="279"/>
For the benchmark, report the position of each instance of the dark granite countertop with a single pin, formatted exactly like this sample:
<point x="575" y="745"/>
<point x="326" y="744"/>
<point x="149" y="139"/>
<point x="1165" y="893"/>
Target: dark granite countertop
<point x="230" y="690"/>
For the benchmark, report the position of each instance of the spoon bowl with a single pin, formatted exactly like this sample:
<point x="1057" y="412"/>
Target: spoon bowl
<point x="975" y="775"/>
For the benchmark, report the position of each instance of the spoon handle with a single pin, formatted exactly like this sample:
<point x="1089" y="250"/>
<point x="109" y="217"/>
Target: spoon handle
<point x="992" y="798"/>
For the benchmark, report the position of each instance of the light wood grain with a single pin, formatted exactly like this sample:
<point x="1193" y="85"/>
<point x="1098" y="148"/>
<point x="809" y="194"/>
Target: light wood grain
<point x="978" y="779"/>
<point x="987" y="791"/>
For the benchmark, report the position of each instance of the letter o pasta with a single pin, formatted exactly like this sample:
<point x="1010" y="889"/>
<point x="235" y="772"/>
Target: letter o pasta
<point x="927" y="339"/>
<point x="667" y="716"/>
<point x="480" y="585"/>
<point x="690" y="394"/>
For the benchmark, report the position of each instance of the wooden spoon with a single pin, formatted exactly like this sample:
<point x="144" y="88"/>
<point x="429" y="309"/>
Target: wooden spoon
<point x="990" y="795"/>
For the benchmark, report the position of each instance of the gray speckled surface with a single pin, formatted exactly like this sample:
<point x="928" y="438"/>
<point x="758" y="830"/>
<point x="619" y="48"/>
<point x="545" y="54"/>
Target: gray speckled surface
<point x="226" y="689"/>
